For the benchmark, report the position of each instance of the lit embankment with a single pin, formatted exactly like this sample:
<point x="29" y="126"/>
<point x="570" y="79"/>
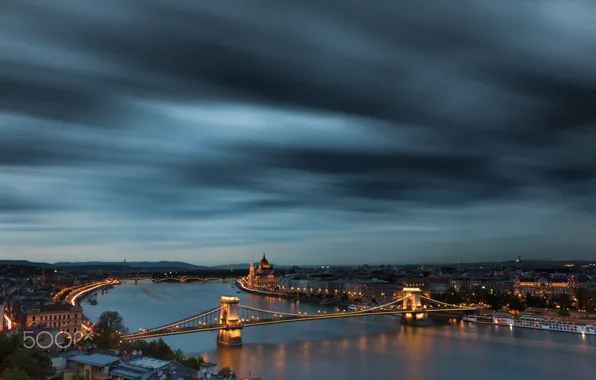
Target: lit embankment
<point x="80" y="291"/>
<point x="9" y="322"/>
<point x="243" y="286"/>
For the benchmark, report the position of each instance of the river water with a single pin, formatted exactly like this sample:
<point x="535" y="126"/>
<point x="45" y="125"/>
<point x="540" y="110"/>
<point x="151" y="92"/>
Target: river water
<point x="355" y="348"/>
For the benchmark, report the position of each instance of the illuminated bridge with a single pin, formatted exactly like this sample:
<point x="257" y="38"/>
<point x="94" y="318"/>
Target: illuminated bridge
<point x="229" y="318"/>
<point x="187" y="278"/>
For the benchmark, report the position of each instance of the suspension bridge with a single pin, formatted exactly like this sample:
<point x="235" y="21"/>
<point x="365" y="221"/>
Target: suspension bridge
<point x="229" y="318"/>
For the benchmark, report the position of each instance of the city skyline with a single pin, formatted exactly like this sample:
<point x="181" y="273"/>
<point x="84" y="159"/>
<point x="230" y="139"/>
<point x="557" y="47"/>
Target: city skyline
<point x="210" y="133"/>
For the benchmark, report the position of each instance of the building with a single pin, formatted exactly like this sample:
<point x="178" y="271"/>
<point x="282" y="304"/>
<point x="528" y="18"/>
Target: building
<point x="546" y="285"/>
<point x="208" y="371"/>
<point x="146" y="368"/>
<point x="60" y="363"/>
<point x="284" y="281"/>
<point x="439" y="286"/>
<point x="263" y="276"/>
<point x="64" y="317"/>
<point x="91" y="367"/>
<point x="493" y="285"/>
<point x="1" y="314"/>
<point x="382" y="292"/>
<point x="47" y="338"/>
<point x="142" y="368"/>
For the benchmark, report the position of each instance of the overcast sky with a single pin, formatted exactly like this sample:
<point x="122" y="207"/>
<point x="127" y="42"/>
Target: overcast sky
<point x="319" y="132"/>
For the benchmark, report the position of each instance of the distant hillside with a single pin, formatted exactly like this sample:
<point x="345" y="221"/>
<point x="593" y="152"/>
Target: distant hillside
<point x="240" y="266"/>
<point x="109" y="266"/>
<point x="26" y="263"/>
<point x="171" y="265"/>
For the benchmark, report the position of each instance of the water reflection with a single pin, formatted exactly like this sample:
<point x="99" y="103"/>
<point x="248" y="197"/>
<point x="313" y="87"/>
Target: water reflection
<point x="356" y="348"/>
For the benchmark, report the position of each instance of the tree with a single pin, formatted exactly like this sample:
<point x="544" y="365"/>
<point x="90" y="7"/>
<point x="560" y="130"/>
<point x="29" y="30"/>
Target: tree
<point x="20" y="363"/>
<point x="227" y="373"/>
<point x="33" y="361"/>
<point x="562" y="300"/>
<point x="193" y="362"/>
<point x="107" y="328"/>
<point x="580" y="295"/>
<point x="157" y="348"/>
<point x="179" y="355"/>
<point x="516" y="304"/>
<point x="8" y="346"/>
<point x="564" y="313"/>
<point x="15" y="374"/>
<point x="495" y="302"/>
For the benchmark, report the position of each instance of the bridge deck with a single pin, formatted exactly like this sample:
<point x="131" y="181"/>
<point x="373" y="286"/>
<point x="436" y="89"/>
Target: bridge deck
<point x="287" y="318"/>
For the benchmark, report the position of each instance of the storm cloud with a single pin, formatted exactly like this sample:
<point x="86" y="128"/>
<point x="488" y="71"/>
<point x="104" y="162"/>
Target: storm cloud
<point x="321" y="132"/>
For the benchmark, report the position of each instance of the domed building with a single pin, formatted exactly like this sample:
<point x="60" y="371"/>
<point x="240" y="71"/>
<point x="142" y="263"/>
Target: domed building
<point x="264" y="276"/>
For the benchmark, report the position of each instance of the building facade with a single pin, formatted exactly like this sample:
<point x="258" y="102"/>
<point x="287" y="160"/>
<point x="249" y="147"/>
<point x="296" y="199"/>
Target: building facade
<point x="540" y="286"/>
<point x="263" y="277"/>
<point x="493" y="285"/>
<point x="91" y="367"/>
<point x="64" y="317"/>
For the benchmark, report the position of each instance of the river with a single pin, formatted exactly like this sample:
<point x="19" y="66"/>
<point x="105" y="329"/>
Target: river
<point x="354" y="348"/>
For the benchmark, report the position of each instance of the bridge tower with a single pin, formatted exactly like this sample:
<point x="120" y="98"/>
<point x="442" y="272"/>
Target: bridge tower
<point x="413" y="300"/>
<point x="418" y="315"/>
<point x="229" y="335"/>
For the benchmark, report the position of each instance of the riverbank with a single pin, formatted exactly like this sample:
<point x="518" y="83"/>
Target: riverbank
<point x="319" y="349"/>
<point x="291" y="297"/>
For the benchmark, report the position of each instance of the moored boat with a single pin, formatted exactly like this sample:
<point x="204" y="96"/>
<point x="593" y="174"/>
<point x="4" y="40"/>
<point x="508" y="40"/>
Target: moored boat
<point x="93" y="299"/>
<point x="529" y="321"/>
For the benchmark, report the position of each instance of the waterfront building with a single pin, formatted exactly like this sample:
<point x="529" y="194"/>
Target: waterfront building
<point x="284" y="281"/>
<point x="494" y="285"/>
<point x="439" y="285"/>
<point x="64" y="317"/>
<point x="299" y="284"/>
<point x="382" y="292"/>
<point x="251" y="275"/>
<point x="546" y="285"/>
<point x="263" y="276"/>
<point x="417" y="282"/>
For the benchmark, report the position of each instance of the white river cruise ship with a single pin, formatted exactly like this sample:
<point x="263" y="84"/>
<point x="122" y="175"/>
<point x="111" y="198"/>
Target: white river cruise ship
<point x="531" y="322"/>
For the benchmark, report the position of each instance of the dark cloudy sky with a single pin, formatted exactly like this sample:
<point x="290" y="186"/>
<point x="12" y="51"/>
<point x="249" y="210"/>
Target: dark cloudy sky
<point x="317" y="131"/>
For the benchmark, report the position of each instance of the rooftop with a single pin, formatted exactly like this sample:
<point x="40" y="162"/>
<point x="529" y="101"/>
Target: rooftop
<point x="96" y="360"/>
<point x="140" y="368"/>
<point x="58" y="307"/>
<point x="147" y="363"/>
